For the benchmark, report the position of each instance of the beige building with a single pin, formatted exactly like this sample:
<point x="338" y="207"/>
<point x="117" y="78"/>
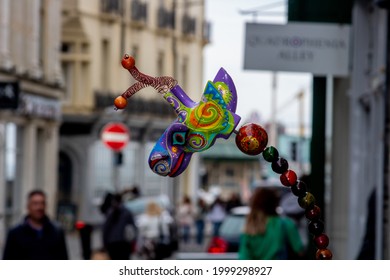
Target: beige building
<point x="225" y="167"/>
<point x="166" y="38"/>
<point x="30" y="110"/>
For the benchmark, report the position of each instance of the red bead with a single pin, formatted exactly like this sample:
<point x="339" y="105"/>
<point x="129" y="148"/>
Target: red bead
<point x="288" y="178"/>
<point x="321" y="241"/>
<point x="313" y="213"/>
<point x="251" y="139"/>
<point x="324" y="254"/>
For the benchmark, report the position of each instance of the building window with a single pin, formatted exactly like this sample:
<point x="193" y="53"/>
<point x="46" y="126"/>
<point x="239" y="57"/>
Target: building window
<point x="68" y="71"/>
<point x="139" y="11"/>
<point x="134" y="53"/>
<point x="105" y="77"/>
<point x="84" y="47"/>
<point x="165" y="17"/>
<point x="160" y="64"/>
<point x="67" y="47"/>
<point x="188" y="25"/>
<point x="42" y="30"/>
<point x="229" y="171"/>
<point x="111" y="6"/>
<point x="185" y="72"/>
<point x="74" y="61"/>
<point x="40" y="157"/>
<point x="84" y="79"/>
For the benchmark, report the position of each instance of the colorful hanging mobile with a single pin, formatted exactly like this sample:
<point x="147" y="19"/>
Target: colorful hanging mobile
<point x="199" y="124"/>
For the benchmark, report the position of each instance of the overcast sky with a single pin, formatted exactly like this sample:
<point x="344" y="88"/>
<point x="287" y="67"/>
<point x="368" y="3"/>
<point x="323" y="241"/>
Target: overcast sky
<point x="254" y="87"/>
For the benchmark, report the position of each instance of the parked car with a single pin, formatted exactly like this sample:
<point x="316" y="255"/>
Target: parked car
<point x="225" y="246"/>
<point x="230" y="231"/>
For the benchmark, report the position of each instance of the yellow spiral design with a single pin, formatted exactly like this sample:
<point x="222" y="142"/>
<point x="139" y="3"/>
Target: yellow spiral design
<point x="207" y="116"/>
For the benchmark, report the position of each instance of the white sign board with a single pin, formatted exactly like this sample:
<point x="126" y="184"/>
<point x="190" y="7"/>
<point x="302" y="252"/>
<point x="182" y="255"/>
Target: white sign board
<point x="318" y="48"/>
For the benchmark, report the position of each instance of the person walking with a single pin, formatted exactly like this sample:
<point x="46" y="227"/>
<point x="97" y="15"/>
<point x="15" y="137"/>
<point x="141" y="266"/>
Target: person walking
<point x="119" y="230"/>
<point x="234" y="201"/>
<point x="200" y="219"/>
<point x="37" y="237"/>
<point x="185" y="215"/>
<point x="154" y="234"/>
<point x="216" y="215"/>
<point x="268" y="236"/>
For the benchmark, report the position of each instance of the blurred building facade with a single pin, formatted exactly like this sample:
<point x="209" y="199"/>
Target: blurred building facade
<point x="225" y="167"/>
<point x="357" y="165"/>
<point x="350" y="135"/>
<point x="165" y="38"/>
<point x="30" y="110"/>
<point x="296" y="150"/>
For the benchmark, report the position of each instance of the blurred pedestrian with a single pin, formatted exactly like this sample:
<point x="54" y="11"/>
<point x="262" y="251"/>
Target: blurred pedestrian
<point x="200" y="220"/>
<point x="233" y="201"/>
<point x="37" y="237"/>
<point x="217" y="214"/>
<point x="106" y="205"/>
<point x="268" y="236"/>
<point x="154" y="233"/>
<point x="185" y="216"/>
<point x="131" y="193"/>
<point x="119" y="230"/>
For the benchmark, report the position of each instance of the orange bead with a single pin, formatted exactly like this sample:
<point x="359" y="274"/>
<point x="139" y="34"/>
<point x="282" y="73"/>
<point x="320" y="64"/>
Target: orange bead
<point x="120" y="102"/>
<point x="128" y="62"/>
<point x="324" y="254"/>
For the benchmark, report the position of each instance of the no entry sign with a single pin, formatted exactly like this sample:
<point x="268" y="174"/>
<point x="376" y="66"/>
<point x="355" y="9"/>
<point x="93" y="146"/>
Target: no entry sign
<point x="115" y="136"/>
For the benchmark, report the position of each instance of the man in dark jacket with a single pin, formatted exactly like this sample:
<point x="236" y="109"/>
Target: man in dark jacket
<point x="119" y="230"/>
<point x="36" y="238"/>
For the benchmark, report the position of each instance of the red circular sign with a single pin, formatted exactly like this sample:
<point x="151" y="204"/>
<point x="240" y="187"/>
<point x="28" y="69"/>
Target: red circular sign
<point x="115" y="136"/>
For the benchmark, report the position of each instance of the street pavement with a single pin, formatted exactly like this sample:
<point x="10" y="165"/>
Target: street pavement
<point x="75" y="251"/>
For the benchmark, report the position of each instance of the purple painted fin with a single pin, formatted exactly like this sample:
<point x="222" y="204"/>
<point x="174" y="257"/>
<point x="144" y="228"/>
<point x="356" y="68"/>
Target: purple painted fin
<point x="223" y="76"/>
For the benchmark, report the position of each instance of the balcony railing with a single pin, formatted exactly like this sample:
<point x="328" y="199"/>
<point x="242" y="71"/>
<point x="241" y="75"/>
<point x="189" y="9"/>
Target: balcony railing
<point x="137" y="105"/>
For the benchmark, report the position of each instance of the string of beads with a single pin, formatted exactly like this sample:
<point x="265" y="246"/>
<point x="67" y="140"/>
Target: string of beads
<point x="252" y="139"/>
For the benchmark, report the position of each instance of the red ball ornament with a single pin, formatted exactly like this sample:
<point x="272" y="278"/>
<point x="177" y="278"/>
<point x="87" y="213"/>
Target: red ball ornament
<point x="288" y="178"/>
<point x="251" y="139"/>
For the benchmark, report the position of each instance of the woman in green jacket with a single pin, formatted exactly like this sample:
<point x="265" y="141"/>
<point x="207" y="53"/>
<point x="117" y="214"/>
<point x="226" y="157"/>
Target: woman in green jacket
<point x="268" y="236"/>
